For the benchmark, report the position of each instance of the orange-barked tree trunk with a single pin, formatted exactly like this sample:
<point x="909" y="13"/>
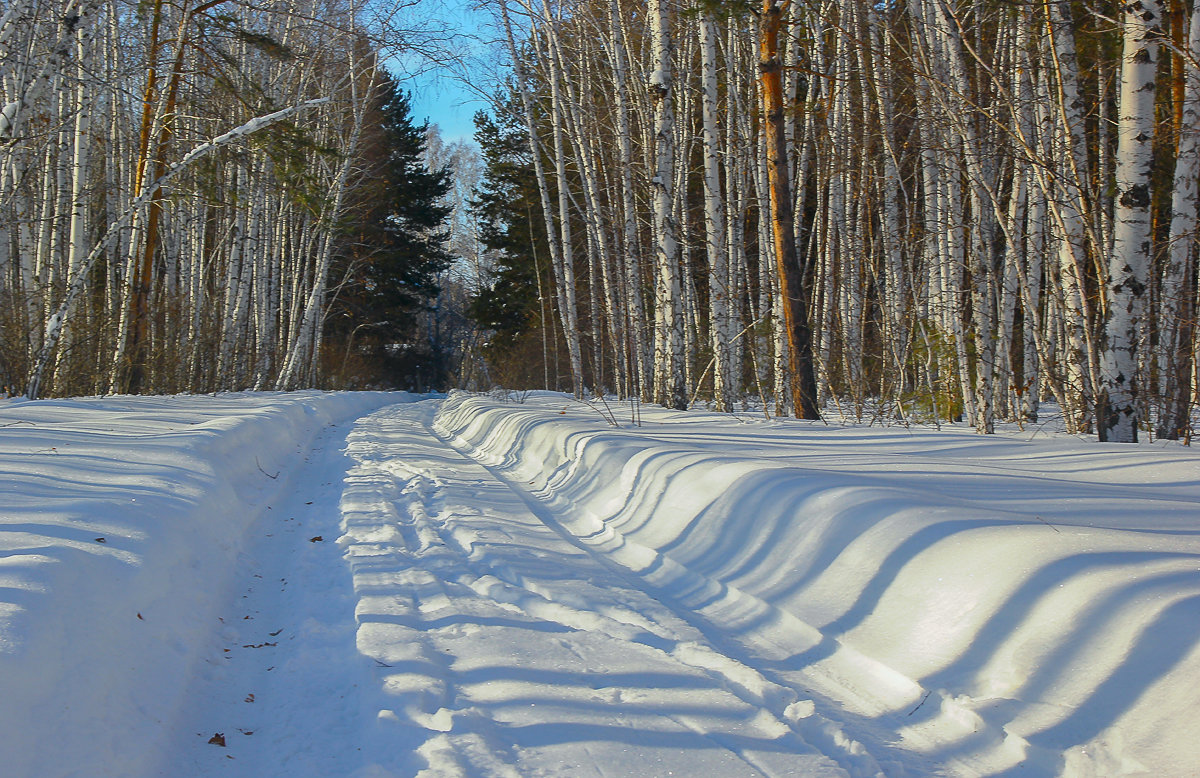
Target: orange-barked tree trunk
<point x="803" y="379"/>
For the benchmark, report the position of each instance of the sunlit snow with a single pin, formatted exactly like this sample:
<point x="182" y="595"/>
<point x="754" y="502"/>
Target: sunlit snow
<point x="375" y="584"/>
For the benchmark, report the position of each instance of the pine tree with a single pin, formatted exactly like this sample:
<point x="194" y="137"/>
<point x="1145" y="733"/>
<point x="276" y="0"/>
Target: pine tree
<point x="393" y="250"/>
<point x="510" y="303"/>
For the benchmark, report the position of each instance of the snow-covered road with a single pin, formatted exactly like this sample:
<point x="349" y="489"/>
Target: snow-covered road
<point x="335" y="585"/>
<point x="497" y="644"/>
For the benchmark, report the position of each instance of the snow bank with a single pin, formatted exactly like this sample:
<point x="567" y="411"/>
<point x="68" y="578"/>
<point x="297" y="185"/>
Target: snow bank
<point x="994" y="601"/>
<point x="121" y="522"/>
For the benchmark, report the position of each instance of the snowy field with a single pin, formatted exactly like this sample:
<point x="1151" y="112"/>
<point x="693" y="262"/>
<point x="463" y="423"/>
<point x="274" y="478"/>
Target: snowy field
<point x="379" y="585"/>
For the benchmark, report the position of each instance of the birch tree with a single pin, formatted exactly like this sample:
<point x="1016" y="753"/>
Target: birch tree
<point x="669" y="388"/>
<point x="921" y="190"/>
<point x="1178" y="305"/>
<point x="1118" y="411"/>
<point x="144" y="244"/>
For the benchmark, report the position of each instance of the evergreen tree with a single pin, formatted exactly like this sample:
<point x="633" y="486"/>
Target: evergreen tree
<point x="394" y="249"/>
<point x="506" y="205"/>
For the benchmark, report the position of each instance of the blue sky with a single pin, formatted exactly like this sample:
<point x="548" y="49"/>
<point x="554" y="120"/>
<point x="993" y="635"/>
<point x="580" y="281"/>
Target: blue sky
<point x="446" y="103"/>
<point x="440" y="93"/>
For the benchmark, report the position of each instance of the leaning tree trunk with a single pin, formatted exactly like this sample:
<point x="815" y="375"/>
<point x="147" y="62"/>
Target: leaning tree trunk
<point x="1065" y="199"/>
<point x="78" y="283"/>
<point x="565" y="277"/>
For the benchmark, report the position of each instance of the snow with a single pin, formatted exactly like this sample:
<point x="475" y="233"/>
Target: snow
<point x="8" y="116"/>
<point x="383" y="585"/>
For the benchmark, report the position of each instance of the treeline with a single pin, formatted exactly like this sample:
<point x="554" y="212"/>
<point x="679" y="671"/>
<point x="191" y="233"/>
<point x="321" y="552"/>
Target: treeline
<point x="989" y="203"/>
<point x="199" y="195"/>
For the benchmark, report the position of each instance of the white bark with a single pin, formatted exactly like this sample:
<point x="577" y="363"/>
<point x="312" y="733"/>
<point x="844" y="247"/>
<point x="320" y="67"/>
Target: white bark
<point x="1129" y="260"/>
<point x="565" y="270"/>
<point x="1064" y="195"/>
<point x="558" y="264"/>
<point x="669" y="380"/>
<point x="1174" y="352"/>
<point x="630" y="269"/>
<point x="720" y="325"/>
<point x="77" y="284"/>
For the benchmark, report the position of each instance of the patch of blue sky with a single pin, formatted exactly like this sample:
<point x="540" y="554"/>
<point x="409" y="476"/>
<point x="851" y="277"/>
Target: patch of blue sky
<point x="451" y="77"/>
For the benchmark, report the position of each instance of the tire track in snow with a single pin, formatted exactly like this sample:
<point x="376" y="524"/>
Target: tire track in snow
<point x="503" y="647"/>
<point x="281" y="690"/>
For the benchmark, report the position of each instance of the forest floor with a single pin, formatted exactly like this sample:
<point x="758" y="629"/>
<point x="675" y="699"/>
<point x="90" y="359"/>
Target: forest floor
<point x="376" y="584"/>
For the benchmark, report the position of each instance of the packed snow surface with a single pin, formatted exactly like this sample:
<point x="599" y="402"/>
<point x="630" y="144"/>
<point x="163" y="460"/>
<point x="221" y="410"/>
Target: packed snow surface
<point x="375" y="584"/>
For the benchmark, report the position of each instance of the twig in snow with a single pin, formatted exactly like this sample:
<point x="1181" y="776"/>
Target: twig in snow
<point x="608" y="414"/>
<point x="264" y="472"/>
<point x="922" y="702"/>
<point x="1048" y="524"/>
<point x="605" y="414"/>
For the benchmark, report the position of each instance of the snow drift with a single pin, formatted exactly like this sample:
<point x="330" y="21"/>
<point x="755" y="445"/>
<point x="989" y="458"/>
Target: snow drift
<point x="995" y="601"/>
<point x="121" y="521"/>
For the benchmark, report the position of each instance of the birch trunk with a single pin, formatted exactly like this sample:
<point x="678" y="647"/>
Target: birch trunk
<point x="1118" y="404"/>
<point x="557" y="262"/>
<point x="54" y="325"/>
<point x="567" y="303"/>
<point x="1064" y="194"/>
<point x="632" y="275"/>
<point x="669" y="382"/>
<point x="1178" y="307"/>
<point x="714" y="221"/>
